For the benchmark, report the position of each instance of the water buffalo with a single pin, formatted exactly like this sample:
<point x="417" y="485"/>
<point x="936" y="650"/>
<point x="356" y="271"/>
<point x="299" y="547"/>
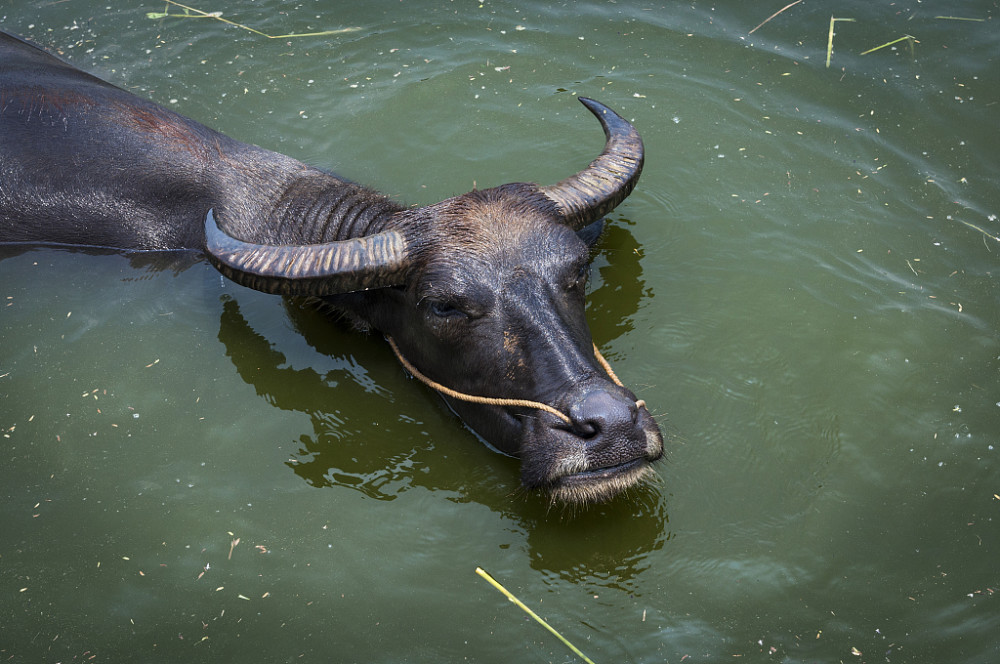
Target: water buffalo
<point x="482" y="294"/>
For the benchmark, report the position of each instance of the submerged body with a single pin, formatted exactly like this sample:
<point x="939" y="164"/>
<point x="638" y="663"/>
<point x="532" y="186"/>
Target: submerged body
<point x="483" y="293"/>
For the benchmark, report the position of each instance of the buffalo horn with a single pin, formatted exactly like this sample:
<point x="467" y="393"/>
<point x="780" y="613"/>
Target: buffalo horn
<point x="374" y="261"/>
<point x="599" y="188"/>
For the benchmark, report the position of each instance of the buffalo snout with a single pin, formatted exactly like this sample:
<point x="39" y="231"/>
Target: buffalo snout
<point x="605" y="448"/>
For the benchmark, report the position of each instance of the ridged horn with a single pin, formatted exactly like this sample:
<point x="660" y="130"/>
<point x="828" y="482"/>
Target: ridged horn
<point x="374" y="261"/>
<point x="599" y="188"/>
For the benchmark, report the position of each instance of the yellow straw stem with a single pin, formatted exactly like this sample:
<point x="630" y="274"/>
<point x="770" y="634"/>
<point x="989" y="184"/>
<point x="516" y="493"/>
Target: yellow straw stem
<point x="909" y="38"/>
<point x="496" y="584"/>
<point x="773" y="15"/>
<point x="829" y="41"/>
<point x="218" y="16"/>
<point x="984" y="232"/>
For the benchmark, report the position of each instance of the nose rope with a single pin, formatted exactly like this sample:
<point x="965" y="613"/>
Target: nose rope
<point x="611" y="372"/>
<point x="495" y="401"/>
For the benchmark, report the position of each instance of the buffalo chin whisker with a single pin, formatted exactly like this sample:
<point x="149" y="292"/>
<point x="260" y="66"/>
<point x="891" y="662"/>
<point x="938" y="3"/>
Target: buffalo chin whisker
<point x="600" y="491"/>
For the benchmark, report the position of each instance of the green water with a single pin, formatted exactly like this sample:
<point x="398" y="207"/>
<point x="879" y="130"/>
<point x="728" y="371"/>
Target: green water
<point x="803" y="287"/>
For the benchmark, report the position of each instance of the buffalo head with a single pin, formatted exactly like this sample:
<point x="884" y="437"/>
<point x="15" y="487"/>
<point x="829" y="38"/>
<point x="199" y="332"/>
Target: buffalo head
<point x="484" y="295"/>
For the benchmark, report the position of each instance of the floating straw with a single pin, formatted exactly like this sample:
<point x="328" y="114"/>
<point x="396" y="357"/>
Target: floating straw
<point x="218" y="17"/>
<point x="908" y="38"/>
<point x="984" y="232"/>
<point x="496" y="584"/>
<point x="829" y="42"/>
<point x="773" y="15"/>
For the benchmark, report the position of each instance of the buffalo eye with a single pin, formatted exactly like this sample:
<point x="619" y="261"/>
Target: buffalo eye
<point x="581" y="277"/>
<point x="445" y="309"/>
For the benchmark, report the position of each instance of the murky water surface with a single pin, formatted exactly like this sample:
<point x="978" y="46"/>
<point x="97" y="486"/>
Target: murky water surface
<point x="804" y="287"/>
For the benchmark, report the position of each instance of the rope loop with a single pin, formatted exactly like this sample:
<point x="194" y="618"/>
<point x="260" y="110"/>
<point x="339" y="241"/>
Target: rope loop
<point x="495" y="401"/>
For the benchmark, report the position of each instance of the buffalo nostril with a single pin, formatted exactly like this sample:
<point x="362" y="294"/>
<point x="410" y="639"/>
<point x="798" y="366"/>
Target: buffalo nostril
<point x="601" y="412"/>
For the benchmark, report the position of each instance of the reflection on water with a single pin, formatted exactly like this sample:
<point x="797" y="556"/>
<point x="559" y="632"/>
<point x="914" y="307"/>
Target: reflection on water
<point x="606" y="544"/>
<point x="333" y="454"/>
<point x="617" y="288"/>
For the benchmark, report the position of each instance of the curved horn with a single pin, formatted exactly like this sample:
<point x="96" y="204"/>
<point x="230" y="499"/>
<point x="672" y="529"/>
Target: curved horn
<point x="599" y="188"/>
<point x="374" y="261"/>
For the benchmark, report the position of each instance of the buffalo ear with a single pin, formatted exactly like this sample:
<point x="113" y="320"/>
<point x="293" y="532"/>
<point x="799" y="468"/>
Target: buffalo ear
<point x="591" y="233"/>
